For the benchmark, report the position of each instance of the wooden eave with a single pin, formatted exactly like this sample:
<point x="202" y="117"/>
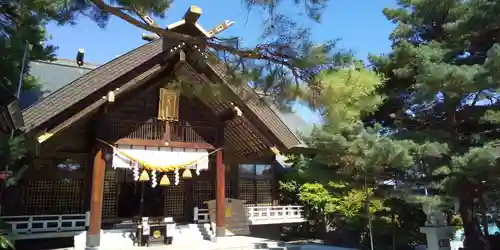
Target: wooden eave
<point x="266" y="121"/>
<point x="78" y="120"/>
<point x="239" y="134"/>
<point x="94" y="85"/>
<point x="258" y="110"/>
<point x="10" y="114"/>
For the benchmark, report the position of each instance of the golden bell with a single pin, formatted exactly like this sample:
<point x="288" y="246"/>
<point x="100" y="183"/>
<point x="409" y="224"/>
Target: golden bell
<point x="164" y="181"/>
<point x="187" y="174"/>
<point x="144" y="176"/>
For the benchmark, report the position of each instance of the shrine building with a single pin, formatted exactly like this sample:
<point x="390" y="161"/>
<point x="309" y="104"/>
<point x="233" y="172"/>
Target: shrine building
<point x="124" y="140"/>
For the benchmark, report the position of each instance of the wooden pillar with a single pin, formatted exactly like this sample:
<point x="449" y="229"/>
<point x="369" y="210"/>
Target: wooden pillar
<point x="94" y="231"/>
<point x="220" y="227"/>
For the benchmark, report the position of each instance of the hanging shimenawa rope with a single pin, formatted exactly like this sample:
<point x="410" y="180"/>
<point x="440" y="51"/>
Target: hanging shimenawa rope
<point x="158" y="168"/>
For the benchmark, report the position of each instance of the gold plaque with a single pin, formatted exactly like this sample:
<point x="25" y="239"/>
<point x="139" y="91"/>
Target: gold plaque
<point x="168" y="105"/>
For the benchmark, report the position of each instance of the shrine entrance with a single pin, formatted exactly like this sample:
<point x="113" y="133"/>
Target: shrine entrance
<point x="157" y="194"/>
<point x="138" y="199"/>
<point x="152" y="201"/>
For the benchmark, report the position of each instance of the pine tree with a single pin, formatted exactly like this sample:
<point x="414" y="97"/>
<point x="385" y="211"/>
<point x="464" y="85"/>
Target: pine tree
<point x="351" y="161"/>
<point x="22" y="23"/>
<point x="22" y="26"/>
<point x="442" y="88"/>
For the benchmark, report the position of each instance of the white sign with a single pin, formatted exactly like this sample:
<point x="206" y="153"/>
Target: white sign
<point x="170" y="229"/>
<point x="146" y="230"/>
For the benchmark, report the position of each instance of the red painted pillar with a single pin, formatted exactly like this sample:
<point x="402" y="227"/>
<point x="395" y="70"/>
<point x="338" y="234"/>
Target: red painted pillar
<point x="94" y="232"/>
<point x="220" y="227"/>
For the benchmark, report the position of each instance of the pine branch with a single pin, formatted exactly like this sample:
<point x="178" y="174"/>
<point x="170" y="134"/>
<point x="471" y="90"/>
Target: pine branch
<point x="266" y="52"/>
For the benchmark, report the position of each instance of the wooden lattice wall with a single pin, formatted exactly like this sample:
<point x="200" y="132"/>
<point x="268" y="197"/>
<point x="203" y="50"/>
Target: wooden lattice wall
<point x="174" y="199"/>
<point x="229" y="189"/>
<point x="54" y="196"/>
<point x="247" y="191"/>
<point x="50" y="186"/>
<point x="203" y="191"/>
<point x="264" y="192"/>
<point x="110" y="199"/>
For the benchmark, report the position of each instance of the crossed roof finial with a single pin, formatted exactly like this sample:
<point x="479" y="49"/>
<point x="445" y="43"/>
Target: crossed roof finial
<point x="192" y="14"/>
<point x="187" y="25"/>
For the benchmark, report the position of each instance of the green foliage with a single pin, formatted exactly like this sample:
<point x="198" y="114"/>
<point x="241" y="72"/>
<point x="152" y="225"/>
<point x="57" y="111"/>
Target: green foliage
<point x="444" y="67"/>
<point x="345" y="95"/>
<point x="12" y="153"/>
<point x="23" y="22"/>
<point x="352" y="159"/>
<point x="12" y="150"/>
<point x="6" y="243"/>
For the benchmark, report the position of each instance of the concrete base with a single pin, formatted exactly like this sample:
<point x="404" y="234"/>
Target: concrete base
<point x="108" y="239"/>
<point x="92" y="241"/>
<point x="220" y="232"/>
<point x="438" y="237"/>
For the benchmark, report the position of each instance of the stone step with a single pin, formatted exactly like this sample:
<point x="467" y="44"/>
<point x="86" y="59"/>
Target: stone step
<point x="193" y="234"/>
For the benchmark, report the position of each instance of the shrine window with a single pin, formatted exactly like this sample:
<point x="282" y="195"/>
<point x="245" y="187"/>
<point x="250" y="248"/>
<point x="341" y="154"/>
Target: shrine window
<point x="261" y="171"/>
<point x="256" y="184"/>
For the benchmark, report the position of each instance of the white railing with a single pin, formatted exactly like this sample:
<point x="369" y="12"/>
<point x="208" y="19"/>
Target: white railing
<point x="275" y="214"/>
<point x="261" y="215"/>
<point x="201" y="215"/>
<point x="32" y="224"/>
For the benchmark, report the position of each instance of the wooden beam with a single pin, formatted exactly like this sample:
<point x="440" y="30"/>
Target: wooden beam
<point x="220" y="226"/>
<point x="243" y="95"/>
<point x="262" y="135"/>
<point x="192" y="14"/>
<point x="161" y="143"/>
<point x="94" y="231"/>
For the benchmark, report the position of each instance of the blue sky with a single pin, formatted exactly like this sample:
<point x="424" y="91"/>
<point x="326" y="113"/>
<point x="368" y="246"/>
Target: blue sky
<point x="359" y="23"/>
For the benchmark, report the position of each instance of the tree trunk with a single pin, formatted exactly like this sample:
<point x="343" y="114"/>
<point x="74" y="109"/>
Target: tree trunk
<point x="484" y="211"/>
<point x="474" y="239"/>
<point x="484" y="215"/>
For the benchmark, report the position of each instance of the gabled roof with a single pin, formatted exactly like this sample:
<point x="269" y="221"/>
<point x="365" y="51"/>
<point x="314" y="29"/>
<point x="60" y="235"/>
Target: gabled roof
<point x="136" y="67"/>
<point x="104" y="77"/>
<point x="68" y="71"/>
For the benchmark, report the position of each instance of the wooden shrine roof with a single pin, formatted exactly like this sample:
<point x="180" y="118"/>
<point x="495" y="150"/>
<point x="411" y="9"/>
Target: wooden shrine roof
<point x="97" y="80"/>
<point x="260" y="122"/>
